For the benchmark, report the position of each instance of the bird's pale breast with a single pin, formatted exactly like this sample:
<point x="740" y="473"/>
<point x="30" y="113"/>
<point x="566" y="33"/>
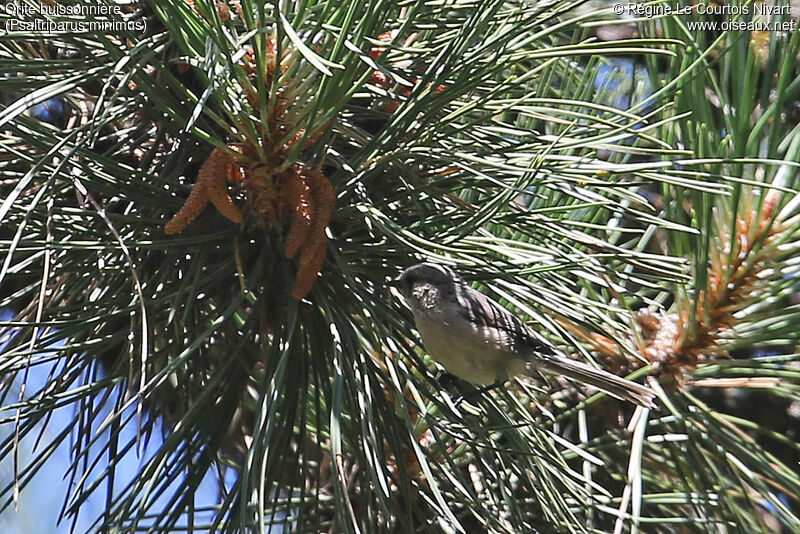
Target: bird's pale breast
<point x="472" y="352"/>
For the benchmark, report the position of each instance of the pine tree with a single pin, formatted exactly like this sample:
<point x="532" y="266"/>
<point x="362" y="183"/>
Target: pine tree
<point x="202" y="208"/>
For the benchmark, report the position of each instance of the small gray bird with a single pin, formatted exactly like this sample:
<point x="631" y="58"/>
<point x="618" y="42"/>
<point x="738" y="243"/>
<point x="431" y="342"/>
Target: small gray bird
<point x="478" y="340"/>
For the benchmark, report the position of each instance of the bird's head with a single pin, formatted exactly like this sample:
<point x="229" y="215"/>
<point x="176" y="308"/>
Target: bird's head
<point x="423" y="284"/>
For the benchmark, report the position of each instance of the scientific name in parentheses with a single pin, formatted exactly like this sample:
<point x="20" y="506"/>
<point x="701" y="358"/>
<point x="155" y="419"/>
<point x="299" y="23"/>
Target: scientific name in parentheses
<point x="663" y="10"/>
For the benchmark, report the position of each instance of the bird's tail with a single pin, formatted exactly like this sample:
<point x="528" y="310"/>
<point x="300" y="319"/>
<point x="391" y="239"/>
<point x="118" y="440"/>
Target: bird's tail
<point x="604" y="381"/>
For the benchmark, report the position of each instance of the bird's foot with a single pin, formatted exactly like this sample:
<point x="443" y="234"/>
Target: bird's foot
<point x="445" y="379"/>
<point x="457" y="400"/>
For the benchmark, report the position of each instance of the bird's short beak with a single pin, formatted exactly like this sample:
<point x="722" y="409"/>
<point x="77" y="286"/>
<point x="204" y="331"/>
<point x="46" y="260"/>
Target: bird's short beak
<point x="394" y="282"/>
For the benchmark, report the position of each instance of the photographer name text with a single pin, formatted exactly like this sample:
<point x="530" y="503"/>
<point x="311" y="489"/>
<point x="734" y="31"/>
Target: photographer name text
<point x="665" y="10"/>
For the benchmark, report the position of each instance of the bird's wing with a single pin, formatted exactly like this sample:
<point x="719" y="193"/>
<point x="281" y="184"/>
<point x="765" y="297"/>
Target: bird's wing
<point x="480" y="310"/>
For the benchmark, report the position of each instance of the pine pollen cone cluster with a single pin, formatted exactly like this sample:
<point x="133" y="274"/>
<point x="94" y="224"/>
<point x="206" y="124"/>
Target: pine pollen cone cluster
<point x="275" y="191"/>
<point x="298" y="192"/>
